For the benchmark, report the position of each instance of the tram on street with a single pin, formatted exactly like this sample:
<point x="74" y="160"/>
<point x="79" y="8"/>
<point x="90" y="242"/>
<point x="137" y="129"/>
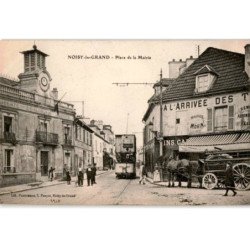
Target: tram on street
<point x="125" y="148"/>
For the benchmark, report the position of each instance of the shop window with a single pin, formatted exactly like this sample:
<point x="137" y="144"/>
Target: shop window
<point x="220" y="119"/>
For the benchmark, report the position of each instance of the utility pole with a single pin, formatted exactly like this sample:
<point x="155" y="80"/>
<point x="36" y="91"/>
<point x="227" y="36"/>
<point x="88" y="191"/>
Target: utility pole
<point x="198" y="50"/>
<point x="161" y="117"/>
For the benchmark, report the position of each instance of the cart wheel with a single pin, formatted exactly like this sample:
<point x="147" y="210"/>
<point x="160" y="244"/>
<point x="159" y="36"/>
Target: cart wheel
<point x="241" y="176"/>
<point x="209" y="181"/>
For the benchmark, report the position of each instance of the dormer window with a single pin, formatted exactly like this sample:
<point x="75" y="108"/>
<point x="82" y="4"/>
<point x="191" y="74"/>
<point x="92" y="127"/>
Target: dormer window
<point x="202" y="83"/>
<point x="205" y="78"/>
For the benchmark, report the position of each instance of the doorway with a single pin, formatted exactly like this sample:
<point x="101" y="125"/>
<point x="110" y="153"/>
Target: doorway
<point x="44" y="163"/>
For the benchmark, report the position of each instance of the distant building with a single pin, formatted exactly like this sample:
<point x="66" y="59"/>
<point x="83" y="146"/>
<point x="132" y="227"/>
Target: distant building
<point x="83" y="135"/>
<point x="206" y="108"/>
<point x="36" y="130"/>
<point x="103" y="144"/>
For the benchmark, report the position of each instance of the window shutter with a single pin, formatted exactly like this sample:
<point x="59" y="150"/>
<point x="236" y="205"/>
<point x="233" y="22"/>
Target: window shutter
<point x="230" y="117"/>
<point x="209" y="119"/>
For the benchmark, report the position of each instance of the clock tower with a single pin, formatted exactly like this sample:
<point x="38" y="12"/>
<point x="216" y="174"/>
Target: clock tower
<point x="35" y="78"/>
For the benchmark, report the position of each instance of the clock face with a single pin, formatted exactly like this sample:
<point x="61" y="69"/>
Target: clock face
<point x="44" y="83"/>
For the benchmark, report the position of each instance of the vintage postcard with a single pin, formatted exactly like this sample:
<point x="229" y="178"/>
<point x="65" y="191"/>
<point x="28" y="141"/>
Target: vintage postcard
<point x="125" y="122"/>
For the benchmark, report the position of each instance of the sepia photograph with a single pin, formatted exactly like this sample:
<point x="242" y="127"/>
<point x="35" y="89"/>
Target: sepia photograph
<point x="125" y="122"/>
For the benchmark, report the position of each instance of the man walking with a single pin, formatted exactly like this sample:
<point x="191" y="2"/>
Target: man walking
<point x="94" y="173"/>
<point x="142" y="174"/>
<point x="51" y="173"/>
<point x="80" y="177"/>
<point x="89" y="174"/>
<point x="229" y="180"/>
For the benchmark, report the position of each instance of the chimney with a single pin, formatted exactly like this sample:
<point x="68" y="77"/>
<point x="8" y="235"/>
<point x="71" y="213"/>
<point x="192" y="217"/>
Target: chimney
<point x="55" y="93"/>
<point x="247" y="59"/>
<point x="174" y="68"/>
<point x="189" y="61"/>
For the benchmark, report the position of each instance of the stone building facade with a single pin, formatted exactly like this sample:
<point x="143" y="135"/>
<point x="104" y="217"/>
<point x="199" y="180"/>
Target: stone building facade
<point x="36" y="130"/>
<point x="83" y="144"/>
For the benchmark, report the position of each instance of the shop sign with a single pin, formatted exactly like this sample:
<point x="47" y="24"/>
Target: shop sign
<point x="199" y="103"/>
<point x="197" y="123"/>
<point x="243" y="117"/>
<point x="174" y="142"/>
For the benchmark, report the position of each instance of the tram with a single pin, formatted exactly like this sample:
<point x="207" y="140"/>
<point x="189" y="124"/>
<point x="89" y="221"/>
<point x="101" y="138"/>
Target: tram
<point x="125" y="148"/>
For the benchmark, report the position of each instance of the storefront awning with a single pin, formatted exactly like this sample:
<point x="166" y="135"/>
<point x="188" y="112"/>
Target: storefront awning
<point x="208" y="143"/>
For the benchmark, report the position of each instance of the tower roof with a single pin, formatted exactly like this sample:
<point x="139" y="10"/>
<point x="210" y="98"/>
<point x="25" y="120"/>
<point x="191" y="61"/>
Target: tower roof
<point x="34" y="50"/>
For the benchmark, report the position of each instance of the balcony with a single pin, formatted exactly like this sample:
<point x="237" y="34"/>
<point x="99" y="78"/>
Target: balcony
<point x="46" y="138"/>
<point x="67" y="141"/>
<point x="9" y="137"/>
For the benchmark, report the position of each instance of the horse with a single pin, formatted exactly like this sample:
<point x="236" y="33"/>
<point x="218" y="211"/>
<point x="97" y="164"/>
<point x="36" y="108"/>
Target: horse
<point x="172" y="168"/>
<point x="183" y="167"/>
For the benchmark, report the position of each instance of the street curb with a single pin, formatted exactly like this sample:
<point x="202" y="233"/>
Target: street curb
<point x="32" y="188"/>
<point x="155" y="183"/>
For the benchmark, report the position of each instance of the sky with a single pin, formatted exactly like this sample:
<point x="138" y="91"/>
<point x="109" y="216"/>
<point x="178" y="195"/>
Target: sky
<point x="90" y="80"/>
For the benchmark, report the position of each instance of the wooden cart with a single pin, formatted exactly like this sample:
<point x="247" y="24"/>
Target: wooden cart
<point x="215" y="167"/>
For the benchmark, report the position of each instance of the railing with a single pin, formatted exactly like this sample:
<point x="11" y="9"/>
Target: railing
<point x="14" y="92"/>
<point x="25" y="95"/>
<point x="9" y="137"/>
<point x="46" y="138"/>
<point x="67" y="141"/>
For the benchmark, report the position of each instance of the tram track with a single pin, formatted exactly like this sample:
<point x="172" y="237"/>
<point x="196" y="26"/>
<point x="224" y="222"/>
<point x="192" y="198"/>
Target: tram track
<point x="120" y="194"/>
<point x="105" y="188"/>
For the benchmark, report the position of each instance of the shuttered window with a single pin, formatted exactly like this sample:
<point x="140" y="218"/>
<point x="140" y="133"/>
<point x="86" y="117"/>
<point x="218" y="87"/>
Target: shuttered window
<point x="220" y="119"/>
<point x="26" y="62"/>
<point x="230" y="117"/>
<point x="32" y="61"/>
<point x="209" y="120"/>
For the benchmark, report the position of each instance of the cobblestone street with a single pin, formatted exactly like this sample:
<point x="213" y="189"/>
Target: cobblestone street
<point x="112" y="191"/>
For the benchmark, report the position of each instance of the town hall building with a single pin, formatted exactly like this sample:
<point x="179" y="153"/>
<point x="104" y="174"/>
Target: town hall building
<point x="36" y="129"/>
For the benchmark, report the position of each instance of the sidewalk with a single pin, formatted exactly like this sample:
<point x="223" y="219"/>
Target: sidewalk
<point x="165" y="183"/>
<point x="39" y="184"/>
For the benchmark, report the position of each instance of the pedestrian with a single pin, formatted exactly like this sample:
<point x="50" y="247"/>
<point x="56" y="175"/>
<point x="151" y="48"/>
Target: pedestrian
<point x="68" y="177"/>
<point x="156" y="177"/>
<point x="80" y="177"/>
<point x="229" y="179"/>
<point x="143" y="174"/>
<point x="89" y="173"/>
<point x="94" y="173"/>
<point x="51" y="173"/>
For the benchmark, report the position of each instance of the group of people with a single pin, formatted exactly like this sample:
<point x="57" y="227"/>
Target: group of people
<point x="90" y="173"/>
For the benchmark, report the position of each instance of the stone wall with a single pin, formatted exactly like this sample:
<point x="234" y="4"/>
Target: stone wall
<point x="16" y="178"/>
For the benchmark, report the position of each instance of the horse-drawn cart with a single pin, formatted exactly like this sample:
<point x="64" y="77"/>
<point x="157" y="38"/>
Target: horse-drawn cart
<point x="214" y="171"/>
